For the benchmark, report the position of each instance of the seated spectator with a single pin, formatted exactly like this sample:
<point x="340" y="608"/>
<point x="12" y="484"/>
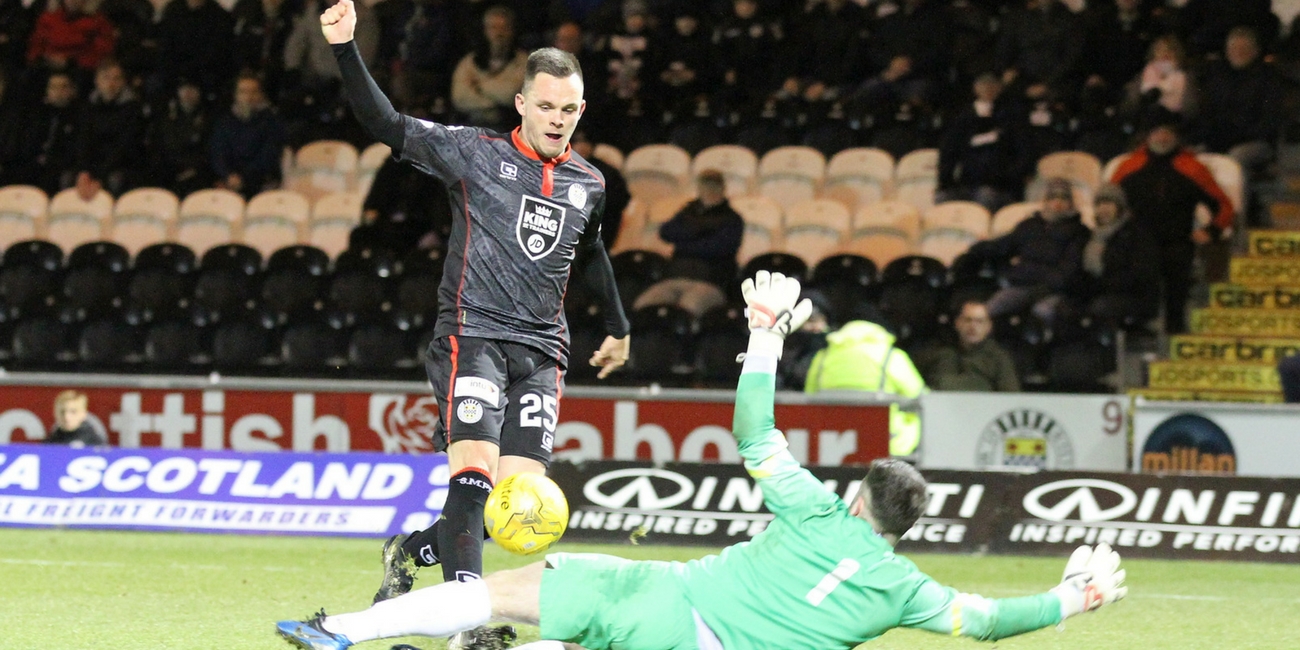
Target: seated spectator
<point x="262" y="28"/>
<point x="861" y="357"/>
<point x="70" y="425"/>
<point x="246" y="142"/>
<point x="976" y="362"/>
<point x="1119" y="33"/>
<point x="683" y="69"/>
<point x="404" y="210"/>
<point x="1241" y="104"/>
<point x="1288" y="368"/>
<point x="616" y="193"/>
<point x="1203" y="24"/>
<point x="134" y="46"/>
<point x="195" y="41"/>
<point x="110" y="139"/>
<point x="827" y="53"/>
<point x="911" y="48"/>
<point x="424" y="42"/>
<point x="71" y="37"/>
<point x="706" y="236"/>
<point x="311" y="103"/>
<point x="1041" y="48"/>
<point x="746" y="46"/>
<point x="1164" y="183"/>
<point x="624" y="78"/>
<point x="178" y="143"/>
<point x="1121" y="273"/>
<point x="1045" y="252"/>
<point x="42" y="151"/>
<point x="981" y="156"/>
<point x="1164" y="79"/>
<point x="485" y="82"/>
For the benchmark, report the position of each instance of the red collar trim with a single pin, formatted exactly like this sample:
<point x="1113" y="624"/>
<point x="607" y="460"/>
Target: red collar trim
<point x="528" y="151"/>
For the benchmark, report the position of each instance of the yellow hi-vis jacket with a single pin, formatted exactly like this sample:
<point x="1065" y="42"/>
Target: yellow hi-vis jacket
<point x="861" y="356"/>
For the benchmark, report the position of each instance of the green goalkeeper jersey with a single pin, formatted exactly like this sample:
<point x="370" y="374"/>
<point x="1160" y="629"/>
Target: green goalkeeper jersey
<point x="819" y="577"/>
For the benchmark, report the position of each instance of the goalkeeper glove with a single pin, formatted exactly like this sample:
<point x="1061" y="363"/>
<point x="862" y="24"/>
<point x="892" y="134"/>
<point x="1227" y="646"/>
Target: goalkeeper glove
<point x="1092" y="578"/>
<point x="774" y="310"/>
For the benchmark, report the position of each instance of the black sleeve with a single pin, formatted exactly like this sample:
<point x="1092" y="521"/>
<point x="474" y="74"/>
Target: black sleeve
<point x="372" y="108"/>
<point x="599" y="274"/>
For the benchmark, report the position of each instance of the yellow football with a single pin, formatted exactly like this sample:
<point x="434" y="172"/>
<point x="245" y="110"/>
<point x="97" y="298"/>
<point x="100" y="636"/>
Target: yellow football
<point x="526" y="513"/>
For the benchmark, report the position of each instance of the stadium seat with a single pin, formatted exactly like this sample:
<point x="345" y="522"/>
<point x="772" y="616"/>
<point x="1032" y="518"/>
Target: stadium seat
<point x="22" y="213"/>
<point x="822" y="215"/>
<point x="630" y="230"/>
<point x="811" y="245"/>
<point x="609" y="154"/>
<point x="1010" y="216"/>
<point x="109" y="344"/>
<point x="657" y="170"/>
<point x="42" y="343"/>
<point x="957" y="216"/>
<point x="360" y="283"/>
<point x="880" y="246"/>
<point x="1078" y="167"/>
<point x="661" y="337"/>
<point x="635" y="271"/>
<point x="380" y="348"/>
<point x="299" y="257"/>
<point x="209" y="218"/>
<point x="372" y="158"/>
<point x="915" y="269"/>
<point x="760" y="211"/>
<point x="106" y="255"/>
<point x="94" y="279"/>
<point x="888" y="217"/>
<point x="175" y="258"/>
<point x="31" y="271"/>
<point x="173" y="345"/>
<point x="1112" y="166"/>
<point x="738" y="165"/>
<point x="1025" y="337"/>
<point x="791" y="174"/>
<point x="316" y="344"/>
<point x="662" y="209"/>
<point x="788" y="264"/>
<point x="756" y="241"/>
<point x="238" y="258"/>
<point x="723" y="335"/>
<point x="1082" y="364"/>
<point x="916" y="177"/>
<point x="332" y="220"/>
<point x="72" y="221"/>
<point x="275" y="219"/>
<point x="161" y="279"/>
<point x="1227" y="173"/>
<point x="859" y="177"/>
<point x="848" y="283"/>
<point x="945" y="245"/>
<point x="228" y="277"/>
<point x="243" y="344"/>
<point x="142" y="217"/>
<point x="323" y="166"/>
<point x="418" y="293"/>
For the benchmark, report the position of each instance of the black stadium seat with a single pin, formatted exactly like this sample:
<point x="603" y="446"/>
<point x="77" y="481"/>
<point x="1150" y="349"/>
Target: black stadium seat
<point x="241" y="345"/>
<point x="31" y="270"/>
<point x="661" y="339"/>
<point x="42" y="343"/>
<point x="724" y="333"/>
<point x="238" y="258"/>
<point x="228" y="278"/>
<point x="316" y="344"/>
<point x="106" y="255"/>
<point x="109" y="344"/>
<point x="381" y="348"/>
<point x="173" y="345"/>
<point x="309" y="259"/>
<point x="785" y="263"/>
<point x="361" y="282"/>
<point x="161" y="280"/>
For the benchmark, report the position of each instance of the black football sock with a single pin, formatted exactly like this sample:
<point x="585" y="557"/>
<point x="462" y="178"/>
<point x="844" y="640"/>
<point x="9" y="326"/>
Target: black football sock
<point x="460" y="531"/>
<point x="422" y="545"/>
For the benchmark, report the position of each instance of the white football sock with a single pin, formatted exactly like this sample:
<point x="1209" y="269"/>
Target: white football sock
<point x="541" y="645"/>
<point x="437" y="611"/>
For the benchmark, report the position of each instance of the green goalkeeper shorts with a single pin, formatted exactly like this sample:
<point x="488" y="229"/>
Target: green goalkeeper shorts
<point x="602" y="602"/>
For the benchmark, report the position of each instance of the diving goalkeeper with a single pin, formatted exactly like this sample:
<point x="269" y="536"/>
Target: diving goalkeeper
<point x="822" y="575"/>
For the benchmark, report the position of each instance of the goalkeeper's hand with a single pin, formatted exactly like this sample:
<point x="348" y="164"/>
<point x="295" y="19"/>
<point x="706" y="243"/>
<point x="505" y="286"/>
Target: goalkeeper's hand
<point x="1092" y="578"/>
<point x="774" y="310"/>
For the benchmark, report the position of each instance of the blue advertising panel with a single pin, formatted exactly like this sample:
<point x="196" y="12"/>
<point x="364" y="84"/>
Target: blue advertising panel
<point x="357" y="494"/>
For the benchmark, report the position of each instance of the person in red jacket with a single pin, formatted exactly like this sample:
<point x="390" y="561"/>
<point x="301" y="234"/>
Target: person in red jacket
<point x="1164" y="183"/>
<point x="71" y="36"/>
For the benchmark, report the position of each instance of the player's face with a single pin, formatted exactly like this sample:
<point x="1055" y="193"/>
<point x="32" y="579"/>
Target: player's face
<point x="69" y="415"/>
<point x="550" y="107"/>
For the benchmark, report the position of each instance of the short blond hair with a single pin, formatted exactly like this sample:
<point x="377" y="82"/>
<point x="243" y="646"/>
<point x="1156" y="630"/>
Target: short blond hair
<point x="70" y="395"/>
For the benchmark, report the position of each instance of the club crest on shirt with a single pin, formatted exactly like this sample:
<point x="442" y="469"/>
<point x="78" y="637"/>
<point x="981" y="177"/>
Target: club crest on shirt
<point x="577" y="196"/>
<point x="539" y="227"/>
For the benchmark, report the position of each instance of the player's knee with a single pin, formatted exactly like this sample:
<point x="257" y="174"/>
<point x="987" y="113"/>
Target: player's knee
<point x="482" y="454"/>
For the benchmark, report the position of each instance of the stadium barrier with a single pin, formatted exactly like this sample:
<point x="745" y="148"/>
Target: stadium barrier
<point x="1220" y="438"/>
<point x="1043" y="513"/>
<point x="1026" y="430"/>
<point x="268" y="415"/>
<point x="359" y="495"/>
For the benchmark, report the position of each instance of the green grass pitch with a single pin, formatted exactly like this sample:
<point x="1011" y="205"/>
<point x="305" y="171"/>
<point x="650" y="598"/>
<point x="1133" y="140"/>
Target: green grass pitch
<point x="101" y="590"/>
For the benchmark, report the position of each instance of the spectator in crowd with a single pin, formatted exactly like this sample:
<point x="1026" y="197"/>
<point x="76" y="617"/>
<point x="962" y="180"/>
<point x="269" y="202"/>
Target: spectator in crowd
<point x="178" y="142"/>
<point x="1118" y="35"/>
<point x="1288" y="369"/>
<point x="1041" y="48"/>
<point x="134" y="46"/>
<point x="827" y="52"/>
<point x="111" y="136"/>
<point x="682" y="63"/>
<point x="1121" y="271"/>
<point x="746" y="46"/>
<point x="17" y="20"/>
<point x="616" y="193"/>
<point x="1164" y="183"/>
<point x="426" y="49"/>
<point x="570" y="37"/>
<point x="911" y="46"/>
<point x="262" y="28"/>
<point x="1164" y="81"/>
<point x="70" y="425"/>
<point x="71" y="37"/>
<point x="246" y="142"/>
<point x="1045" y="252"/>
<point x="42" y="150"/>
<point x="311" y="102"/>
<point x="706" y="236"/>
<point x="485" y="82"/>
<point x="11" y="111"/>
<point x="976" y="362"/>
<point x="1204" y="24"/>
<point x="861" y="356"/>
<point x="405" y="209"/>
<point x="195" y="41"/>
<point x="802" y="345"/>
<point x="625" y="54"/>
<point x="1241" y="103"/>
<point x="981" y="155"/>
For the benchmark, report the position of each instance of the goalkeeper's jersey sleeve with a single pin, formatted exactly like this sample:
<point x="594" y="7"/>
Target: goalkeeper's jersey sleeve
<point x="820" y="578"/>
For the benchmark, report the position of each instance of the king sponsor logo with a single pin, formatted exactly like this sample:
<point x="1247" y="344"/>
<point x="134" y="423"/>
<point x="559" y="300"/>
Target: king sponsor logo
<point x="1153" y="516"/>
<point x="539" y="226"/>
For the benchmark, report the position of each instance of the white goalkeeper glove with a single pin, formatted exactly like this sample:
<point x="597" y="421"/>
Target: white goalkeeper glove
<point x="1092" y="578"/>
<point x="774" y="310"/>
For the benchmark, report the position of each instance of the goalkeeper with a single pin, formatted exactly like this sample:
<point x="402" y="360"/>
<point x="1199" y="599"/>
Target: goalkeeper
<point x="822" y="575"/>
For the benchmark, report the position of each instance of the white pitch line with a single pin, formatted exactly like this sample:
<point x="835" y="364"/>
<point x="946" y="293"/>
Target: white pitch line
<point x="196" y="567"/>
